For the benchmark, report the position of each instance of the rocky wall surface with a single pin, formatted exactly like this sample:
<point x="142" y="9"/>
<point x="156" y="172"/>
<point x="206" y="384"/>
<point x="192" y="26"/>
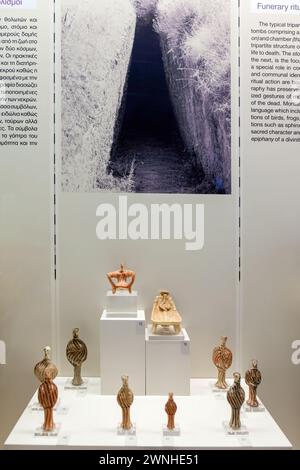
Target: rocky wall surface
<point x="97" y="39"/>
<point x="206" y="132"/>
<point x="202" y="109"/>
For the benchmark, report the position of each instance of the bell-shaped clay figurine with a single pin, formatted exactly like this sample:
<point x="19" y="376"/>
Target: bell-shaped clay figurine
<point x="236" y="398"/>
<point x="125" y="399"/>
<point x="76" y="354"/>
<point x="123" y="279"/>
<point x="47" y="395"/>
<point x="222" y="359"/>
<point x="46" y="363"/>
<point x="171" y="409"/>
<point x="253" y="379"/>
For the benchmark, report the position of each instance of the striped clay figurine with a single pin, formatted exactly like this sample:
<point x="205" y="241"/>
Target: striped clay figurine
<point x="46" y="363"/>
<point x="236" y="398"/>
<point x="171" y="409"/>
<point x="125" y="399"/>
<point x="253" y="380"/>
<point x="47" y="396"/>
<point x="222" y="359"/>
<point x="76" y="354"/>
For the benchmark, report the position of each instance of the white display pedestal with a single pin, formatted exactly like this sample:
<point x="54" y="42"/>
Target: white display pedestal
<point x="121" y="302"/>
<point x="122" y="351"/>
<point x="168" y="364"/>
<point x="92" y="422"/>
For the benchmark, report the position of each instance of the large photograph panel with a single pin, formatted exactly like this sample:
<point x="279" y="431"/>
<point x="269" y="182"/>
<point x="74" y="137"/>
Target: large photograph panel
<point x="146" y="96"/>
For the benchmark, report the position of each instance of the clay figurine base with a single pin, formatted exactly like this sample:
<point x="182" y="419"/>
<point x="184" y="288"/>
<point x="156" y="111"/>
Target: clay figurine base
<point x="70" y="386"/>
<point x="235" y="432"/>
<point x="252" y="409"/>
<point x="216" y="389"/>
<point x="126" y="432"/>
<point x="166" y="330"/>
<point x="39" y="432"/>
<point x="168" y="432"/>
<point x="166" y="335"/>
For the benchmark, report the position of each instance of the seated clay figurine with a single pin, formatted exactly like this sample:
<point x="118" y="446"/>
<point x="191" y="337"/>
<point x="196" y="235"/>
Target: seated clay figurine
<point x="164" y="314"/>
<point x="121" y="280"/>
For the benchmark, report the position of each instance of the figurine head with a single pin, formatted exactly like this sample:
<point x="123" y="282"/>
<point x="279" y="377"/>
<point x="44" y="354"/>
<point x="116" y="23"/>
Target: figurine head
<point x="164" y="293"/>
<point x="237" y="378"/>
<point x="122" y="268"/>
<point x="125" y="380"/>
<point x="223" y="340"/>
<point x="47" y="351"/>
<point x="254" y="363"/>
<point x="76" y="333"/>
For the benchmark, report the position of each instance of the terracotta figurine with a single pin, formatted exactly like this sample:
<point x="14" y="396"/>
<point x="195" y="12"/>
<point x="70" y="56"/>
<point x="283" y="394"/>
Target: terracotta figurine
<point x="253" y="379"/>
<point x="171" y="409"/>
<point x="76" y="354"/>
<point x="47" y="395"/>
<point x="123" y="279"/>
<point x="236" y="398"/>
<point x="40" y="368"/>
<point x="222" y="359"/>
<point x="125" y="399"/>
<point x="164" y="313"/>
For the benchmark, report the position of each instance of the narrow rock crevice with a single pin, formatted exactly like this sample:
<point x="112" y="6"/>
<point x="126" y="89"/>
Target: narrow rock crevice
<point x="148" y="133"/>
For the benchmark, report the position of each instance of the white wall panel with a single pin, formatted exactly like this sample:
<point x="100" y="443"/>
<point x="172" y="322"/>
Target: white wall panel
<point x="26" y="241"/>
<point x="270" y="254"/>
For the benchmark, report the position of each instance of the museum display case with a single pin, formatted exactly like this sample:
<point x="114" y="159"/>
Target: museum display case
<point x="149" y="224"/>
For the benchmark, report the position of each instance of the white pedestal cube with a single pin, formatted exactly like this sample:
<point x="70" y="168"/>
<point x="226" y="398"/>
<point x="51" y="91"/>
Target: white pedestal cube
<point x="122" y="351"/>
<point x="167" y="364"/>
<point x="121" y="302"/>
